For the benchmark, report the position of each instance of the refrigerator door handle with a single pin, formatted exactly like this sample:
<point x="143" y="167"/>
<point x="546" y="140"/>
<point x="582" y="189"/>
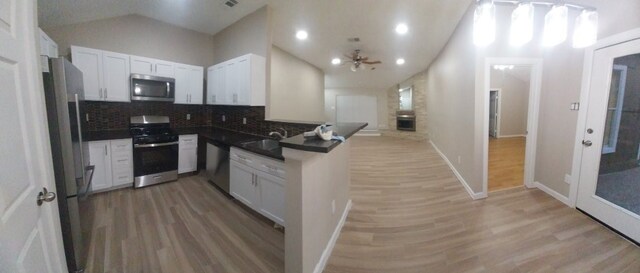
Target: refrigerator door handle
<point x="83" y="193"/>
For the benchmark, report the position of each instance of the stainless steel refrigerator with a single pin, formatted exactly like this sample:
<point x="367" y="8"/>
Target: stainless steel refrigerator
<point x="64" y="95"/>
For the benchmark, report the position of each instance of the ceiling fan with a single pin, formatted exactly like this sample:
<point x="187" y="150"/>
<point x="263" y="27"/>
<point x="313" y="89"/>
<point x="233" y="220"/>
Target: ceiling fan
<point x="359" y="62"/>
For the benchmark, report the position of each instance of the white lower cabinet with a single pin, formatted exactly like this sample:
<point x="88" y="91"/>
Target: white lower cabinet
<point x="188" y="153"/>
<point x="113" y="161"/>
<point x="259" y="183"/>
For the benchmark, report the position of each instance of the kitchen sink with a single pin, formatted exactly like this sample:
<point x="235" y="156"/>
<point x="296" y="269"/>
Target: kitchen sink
<point x="265" y="144"/>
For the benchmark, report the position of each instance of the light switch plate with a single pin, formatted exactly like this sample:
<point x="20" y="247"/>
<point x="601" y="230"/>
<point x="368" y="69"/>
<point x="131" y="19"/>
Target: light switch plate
<point x="244" y="120"/>
<point x="188" y="116"/>
<point x="223" y="118"/>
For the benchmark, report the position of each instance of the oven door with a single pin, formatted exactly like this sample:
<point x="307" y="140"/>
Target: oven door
<point x="155" y="163"/>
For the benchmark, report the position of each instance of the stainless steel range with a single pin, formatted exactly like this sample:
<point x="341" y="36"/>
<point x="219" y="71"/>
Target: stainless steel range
<point x="155" y="150"/>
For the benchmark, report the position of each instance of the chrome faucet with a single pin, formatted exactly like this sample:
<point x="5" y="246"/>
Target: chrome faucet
<point x="279" y="135"/>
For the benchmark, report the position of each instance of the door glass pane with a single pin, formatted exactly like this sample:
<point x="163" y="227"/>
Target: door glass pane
<point x="619" y="174"/>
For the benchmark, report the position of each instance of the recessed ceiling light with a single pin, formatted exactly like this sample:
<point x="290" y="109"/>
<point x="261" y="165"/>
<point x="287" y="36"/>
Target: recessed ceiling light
<point x="336" y="61"/>
<point x="400" y="61"/>
<point x="302" y="35"/>
<point x="402" y="29"/>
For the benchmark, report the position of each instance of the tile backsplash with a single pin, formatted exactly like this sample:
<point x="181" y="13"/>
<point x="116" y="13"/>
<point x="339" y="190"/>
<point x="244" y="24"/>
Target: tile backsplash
<point x="115" y="116"/>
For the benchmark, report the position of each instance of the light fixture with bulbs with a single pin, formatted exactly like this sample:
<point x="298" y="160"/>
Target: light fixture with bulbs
<point x="402" y="29"/>
<point x="302" y="35"/>
<point x="503" y="67"/>
<point x="521" y="31"/>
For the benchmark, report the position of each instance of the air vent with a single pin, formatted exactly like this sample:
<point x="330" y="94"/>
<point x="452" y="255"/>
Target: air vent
<point x="354" y="39"/>
<point x="231" y="3"/>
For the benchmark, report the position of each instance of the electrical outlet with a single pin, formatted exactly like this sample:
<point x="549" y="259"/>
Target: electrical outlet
<point x="333" y="207"/>
<point x="244" y="120"/>
<point x="567" y="178"/>
<point x="188" y="116"/>
<point x="87" y="116"/>
<point x="224" y="118"/>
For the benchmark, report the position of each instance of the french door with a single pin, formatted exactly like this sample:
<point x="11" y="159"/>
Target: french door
<point x="609" y="186"/>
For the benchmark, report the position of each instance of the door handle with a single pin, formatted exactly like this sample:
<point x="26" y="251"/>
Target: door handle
<point x="45" y="196"/>
<point x="587" y="143"/>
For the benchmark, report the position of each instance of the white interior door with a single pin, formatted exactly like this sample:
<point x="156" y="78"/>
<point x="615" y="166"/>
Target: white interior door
<point x="609" y="187"/>
<point x="30" y="236"/>
<point x="358" y="109"/>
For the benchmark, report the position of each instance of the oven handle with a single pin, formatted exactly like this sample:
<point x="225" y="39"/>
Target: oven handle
<point x="154" y="145"/>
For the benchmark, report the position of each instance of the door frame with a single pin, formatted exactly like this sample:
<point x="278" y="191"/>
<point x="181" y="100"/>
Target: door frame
<point x="535" y="85"/>
<point x="498" y="106"/>
<point x="585" y="89"/>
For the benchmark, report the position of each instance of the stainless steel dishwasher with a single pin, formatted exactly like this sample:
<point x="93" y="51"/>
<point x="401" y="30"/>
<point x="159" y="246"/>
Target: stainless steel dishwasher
<point x="218" y="165"/>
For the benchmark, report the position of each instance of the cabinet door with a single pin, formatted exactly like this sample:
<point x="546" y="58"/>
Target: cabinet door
<point x="243" y="186"/>
<point x="53" y="49"/>
<point x="182" y="84"/>
<point x="210" y="81"/>
<point x="188" y="153"/>
<point x="220" y="85"/>
<point x="142" y="65"/>
<point x="121" y="162"/>
<point x="196" y="81"/>
<point x="231" y="82"/>
<point x="242" y="78"/>
<point x="89" y="61"/>
<point x="116" y="76"/>
<point x="44" y="44"/>
<point x="99" y="157"/>
<point x="164" y="69"/>
<point x="271" y="196"/>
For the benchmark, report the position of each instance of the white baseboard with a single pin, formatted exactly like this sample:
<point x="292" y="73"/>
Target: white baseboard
<point x="506" y="136"/>
<point x="373" y="133"/>
<point x="551" y="192"/>
<point x="332" y="241"/>
<point x="474" y="195"/>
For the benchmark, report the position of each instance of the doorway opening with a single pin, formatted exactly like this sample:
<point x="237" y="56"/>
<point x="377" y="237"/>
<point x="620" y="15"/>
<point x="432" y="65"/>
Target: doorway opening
<point x="508" y="113"/>
<point x="515" y="123"/>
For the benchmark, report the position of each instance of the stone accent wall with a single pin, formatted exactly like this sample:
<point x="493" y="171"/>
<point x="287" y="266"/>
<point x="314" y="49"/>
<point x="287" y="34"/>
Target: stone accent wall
<point x="419" y="96"/>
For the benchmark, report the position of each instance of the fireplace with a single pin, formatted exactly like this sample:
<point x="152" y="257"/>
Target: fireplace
<point x="405" y="122"/>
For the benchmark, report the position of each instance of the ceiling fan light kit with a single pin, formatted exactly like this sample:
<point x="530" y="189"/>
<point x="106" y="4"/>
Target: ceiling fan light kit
<point x="521" y="31"/>
<point x="357" y="61"/>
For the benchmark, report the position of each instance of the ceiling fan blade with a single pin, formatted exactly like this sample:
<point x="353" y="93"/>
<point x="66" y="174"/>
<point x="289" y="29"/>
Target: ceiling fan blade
<point x="364" y="58"/>
<point x="349" y="57"/>
<point x="373" y="62"/>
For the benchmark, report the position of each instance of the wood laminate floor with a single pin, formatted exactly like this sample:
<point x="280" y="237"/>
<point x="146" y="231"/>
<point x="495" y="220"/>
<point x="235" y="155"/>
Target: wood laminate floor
<point x="180" y="227"/>
<point x="409" y="214"/>
<point x="506" y="162"/>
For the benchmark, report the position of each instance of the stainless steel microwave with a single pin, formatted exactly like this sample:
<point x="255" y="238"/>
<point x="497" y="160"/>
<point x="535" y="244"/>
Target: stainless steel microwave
<point x="152" y="88"/>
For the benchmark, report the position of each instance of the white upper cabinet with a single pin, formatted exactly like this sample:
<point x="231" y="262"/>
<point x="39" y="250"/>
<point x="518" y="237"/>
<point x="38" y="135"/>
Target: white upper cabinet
<point x="115" y="76"/>
<point x="154" y="67"/>
<point x="48" y="47"/>
<point x="89" y="61"/>
<point x="189" y="84"/>
<point x="239" y="81"/>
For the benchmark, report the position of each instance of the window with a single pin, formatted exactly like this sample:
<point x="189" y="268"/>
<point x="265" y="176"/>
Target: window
<point x="614" y="109"/>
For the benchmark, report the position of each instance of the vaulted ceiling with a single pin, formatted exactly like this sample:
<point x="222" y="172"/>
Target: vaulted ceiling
<point x="330" y="23"/>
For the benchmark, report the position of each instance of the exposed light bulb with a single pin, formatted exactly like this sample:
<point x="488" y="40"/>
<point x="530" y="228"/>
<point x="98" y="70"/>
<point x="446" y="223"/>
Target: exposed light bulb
<point x="302" y="35"/>
<point x="484" y="24"/>
<point x="585" y="32"/>
<point x="400" y="61"/>
<point x="402" y="29"/>
<point x="555" y="26"/>
<point x="521" y="25"/>
<point x="336" y="61"/>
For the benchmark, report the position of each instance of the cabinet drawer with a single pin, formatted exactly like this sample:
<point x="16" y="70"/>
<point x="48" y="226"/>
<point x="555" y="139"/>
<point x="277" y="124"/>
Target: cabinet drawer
<point x="121" y="146"/>
<point x="270" y="166"/>
<point x="243" y="157"/>
<point x="188" y="140"/>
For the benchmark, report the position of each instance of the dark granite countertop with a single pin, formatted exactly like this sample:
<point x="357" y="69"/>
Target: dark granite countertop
<point x="316" y="144"/>
<point x="107" y="135"/>
<point x="231" y="138"/>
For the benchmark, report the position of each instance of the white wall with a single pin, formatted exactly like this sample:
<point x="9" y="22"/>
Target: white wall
<point x="456" y="111"/>
<point x="297" y="89"/>
<point x="381" y="95"/>
<point x="137" y="35"/>
<point x="513" y="102"/>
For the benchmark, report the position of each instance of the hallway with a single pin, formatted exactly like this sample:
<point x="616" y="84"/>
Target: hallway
<point x="410" y="214"/>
